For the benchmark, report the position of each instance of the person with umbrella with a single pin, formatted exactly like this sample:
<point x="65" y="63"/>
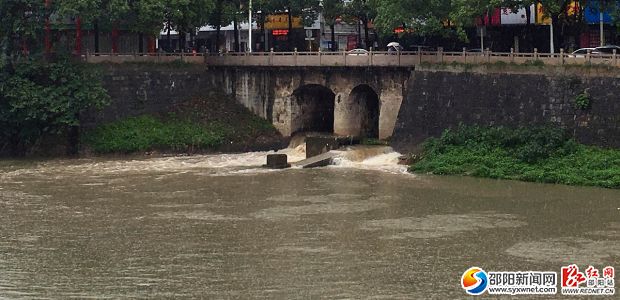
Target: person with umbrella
<point x="394" y="47"/>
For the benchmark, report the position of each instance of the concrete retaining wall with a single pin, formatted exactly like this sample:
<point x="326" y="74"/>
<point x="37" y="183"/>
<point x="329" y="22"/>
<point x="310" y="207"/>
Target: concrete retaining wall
<point x="432" y="100"/>
<point x="437" y="100"/>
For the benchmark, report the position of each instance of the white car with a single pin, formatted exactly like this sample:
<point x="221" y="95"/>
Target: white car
<point x="358" y="52"/>
<point x="581" y="53"/>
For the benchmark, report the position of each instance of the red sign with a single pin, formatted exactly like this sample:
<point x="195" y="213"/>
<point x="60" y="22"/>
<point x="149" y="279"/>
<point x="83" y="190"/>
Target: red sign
<point x="351" y="42"/>
<point x="278" y="32"/>
<point x="493" y="18"/>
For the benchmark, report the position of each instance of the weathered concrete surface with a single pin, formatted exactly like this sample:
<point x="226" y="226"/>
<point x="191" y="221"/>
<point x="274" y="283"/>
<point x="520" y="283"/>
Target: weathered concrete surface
<point x="299" y="99"/>
<point x="276" y="93"/>
<point x="321" y="160"/>
<point x="147" y="89"/>
<point x="277" y="161"/>
<point x="437" y="100"/>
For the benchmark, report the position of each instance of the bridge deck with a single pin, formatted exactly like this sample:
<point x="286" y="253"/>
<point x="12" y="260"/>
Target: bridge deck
<point x="344" y="59"/>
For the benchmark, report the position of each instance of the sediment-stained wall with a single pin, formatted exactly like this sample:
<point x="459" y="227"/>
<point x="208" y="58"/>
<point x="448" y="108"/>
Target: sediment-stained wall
<point x="437" y="100"/>
<point x="412" y="104"/>
<point x="274" y="93"/>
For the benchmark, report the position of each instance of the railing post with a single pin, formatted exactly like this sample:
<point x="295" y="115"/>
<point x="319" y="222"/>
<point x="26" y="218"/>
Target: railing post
<point x="320" y="57"/>
<point x="344" y="53"/>
<point x="561" y="56"/>
<point x="512" y="55"/>
<point x="295" y="55"/>
<point x="488" y="50"/>
<point x="419" y="55"/>
<point x="370" y="57"/>
<point x="614" y="58"/>
<point x="271" y="57"/>
<point x="440" y="54"/>
<point x="589" y="57"/>
<point x="535" y="53"/>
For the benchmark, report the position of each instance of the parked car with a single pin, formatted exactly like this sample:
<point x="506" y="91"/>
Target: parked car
<point x="475" y="51"/>
<point x="608" y="49"/>
<point x="358" y="52"/>
<point x="416" y="48"/>
<point x="580" y="53"/>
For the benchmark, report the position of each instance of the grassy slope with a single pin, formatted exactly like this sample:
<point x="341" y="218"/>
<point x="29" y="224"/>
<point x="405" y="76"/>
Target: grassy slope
<point x="202" y="124"/>
<point x="538" y="155"/>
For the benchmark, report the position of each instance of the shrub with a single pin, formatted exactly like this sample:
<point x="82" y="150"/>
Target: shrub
<point x="582" y="101"/>
<point x="39" y="98"/>
<point x="540" y="154"/>
<point x="146" y="133"/>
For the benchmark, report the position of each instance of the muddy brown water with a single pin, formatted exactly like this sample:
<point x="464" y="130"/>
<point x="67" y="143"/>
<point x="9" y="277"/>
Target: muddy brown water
<point x="218" y="227"/>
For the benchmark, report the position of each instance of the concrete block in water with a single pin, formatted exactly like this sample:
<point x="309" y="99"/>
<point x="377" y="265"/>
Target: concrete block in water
<point x="321" y="160"/>
<point x="277" y="161"/>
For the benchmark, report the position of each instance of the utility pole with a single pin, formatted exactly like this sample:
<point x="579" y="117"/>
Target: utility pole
<point x="250" y="27"/>
<point x="482" y="39"/>
<point x="551" y="45"/>
<point x="601" y="27"/>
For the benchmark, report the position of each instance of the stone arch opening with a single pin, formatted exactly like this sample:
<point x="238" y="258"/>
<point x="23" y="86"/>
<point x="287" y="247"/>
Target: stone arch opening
<point x="367" y="107"/>
<point x="312" y="109"/>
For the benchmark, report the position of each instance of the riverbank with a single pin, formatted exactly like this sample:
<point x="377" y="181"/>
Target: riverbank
<point x="545" y="155"/>
<point x="198" y="126"/>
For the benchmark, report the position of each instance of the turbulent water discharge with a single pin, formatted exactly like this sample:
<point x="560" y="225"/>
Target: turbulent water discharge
<point x="221" y="226"/>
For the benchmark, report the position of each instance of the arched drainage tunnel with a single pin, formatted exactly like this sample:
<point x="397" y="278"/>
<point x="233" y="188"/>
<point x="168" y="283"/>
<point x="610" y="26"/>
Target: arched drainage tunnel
<point x="329" y="122"/>
<point x="312" y="109"/>
<point x="358" y="114"/>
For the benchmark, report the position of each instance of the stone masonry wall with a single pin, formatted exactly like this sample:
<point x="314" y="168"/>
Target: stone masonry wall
<point x="137" y="89"/>
<point x="433" y="100"/>
<point x="437" y="100"/>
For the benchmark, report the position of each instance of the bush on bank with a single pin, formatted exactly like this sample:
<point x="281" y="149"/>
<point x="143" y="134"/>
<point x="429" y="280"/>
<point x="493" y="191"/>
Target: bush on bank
<point x="146" y="133"/>
<point x="39" y="99"/>
<point x="177" y="133"/>
<point x="547" y="155"/>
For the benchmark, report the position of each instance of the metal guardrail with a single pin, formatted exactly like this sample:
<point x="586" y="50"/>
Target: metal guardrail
<point x="372" y="58"/>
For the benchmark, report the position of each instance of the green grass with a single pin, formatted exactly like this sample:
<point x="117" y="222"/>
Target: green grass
<point x="536" y="154"/>
<point x="147" y="133"/>
<point x="373" y="142"/>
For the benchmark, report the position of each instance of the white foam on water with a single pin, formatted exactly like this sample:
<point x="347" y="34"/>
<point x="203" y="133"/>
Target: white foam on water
<point x="381" y="158"/>
<point x="376" y="158"/>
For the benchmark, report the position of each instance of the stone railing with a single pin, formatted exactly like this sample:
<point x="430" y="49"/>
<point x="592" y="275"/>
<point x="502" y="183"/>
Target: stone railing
<point x="372" y="58"/>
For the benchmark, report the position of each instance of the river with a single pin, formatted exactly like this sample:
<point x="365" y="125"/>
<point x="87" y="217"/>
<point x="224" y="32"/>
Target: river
<point x="220" y="226"/>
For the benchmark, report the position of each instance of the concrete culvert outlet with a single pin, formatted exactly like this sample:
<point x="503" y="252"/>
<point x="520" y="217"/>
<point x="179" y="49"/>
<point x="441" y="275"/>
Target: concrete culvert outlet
<point x="363" y="112"/>
<point x="312" y="109"/>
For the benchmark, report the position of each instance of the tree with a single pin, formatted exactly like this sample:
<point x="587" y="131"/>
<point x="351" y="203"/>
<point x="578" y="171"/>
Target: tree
<point x="186" y="16"/>
<point x="218" y="17"/>
<point x="306" y="9"/>
<point x="37" y="97"/>
<point x="447" y="18"/>
<point x="101" y="13"/>
<point x="20" y="26"/>
<point x="332" y="10"/>
<point x="362" y="12"/>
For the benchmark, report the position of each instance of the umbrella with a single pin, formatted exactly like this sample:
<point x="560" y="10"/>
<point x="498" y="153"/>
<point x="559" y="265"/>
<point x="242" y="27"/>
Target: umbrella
<point x="393" y="44"/>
